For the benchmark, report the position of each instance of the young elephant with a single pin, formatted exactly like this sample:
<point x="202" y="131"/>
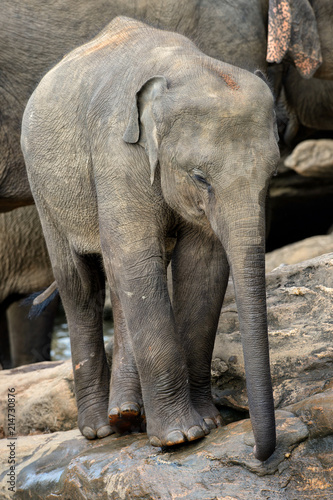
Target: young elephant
<point x="133" y="141"/>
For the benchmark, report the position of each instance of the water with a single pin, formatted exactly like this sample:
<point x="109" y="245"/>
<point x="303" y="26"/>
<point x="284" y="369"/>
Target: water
<point x="60" y="345"/>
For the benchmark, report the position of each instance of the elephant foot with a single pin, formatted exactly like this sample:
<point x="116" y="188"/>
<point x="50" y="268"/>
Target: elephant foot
<point x="210" y="414"/>
<point x="93" y="433"/>
<point x="213" y="422"/>
<point x="128" y="417"/>
<point x="93" y="423"/>
<point x="192" y="429"/>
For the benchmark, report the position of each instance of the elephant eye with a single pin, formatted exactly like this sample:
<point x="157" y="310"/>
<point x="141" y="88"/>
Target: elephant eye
<point x="199" y="176"/>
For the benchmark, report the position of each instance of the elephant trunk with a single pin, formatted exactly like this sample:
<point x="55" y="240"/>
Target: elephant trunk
<point x="243" y="237"/>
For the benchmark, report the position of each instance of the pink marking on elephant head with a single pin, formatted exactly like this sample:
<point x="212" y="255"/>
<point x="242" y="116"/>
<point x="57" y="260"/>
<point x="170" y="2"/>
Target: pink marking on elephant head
<point x="229" y="81"/>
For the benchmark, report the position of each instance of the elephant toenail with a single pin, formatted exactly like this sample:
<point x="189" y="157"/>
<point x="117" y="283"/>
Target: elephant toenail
<point x="114" y="412"/>
<point x="210" y="423"/>
<point x="206" y="428"/>
<point x="88" y="432"/>
<point x="104" y="431"/>
<point x="219" y="421"/>
<point x="132" y="408"/>
<point x="175" y="437"/>
<point x="154" y="441"/>
<point x="195" y="432"/>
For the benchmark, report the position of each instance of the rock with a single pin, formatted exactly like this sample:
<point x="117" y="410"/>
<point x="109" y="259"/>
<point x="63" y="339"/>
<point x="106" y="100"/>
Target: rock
<point x="312" y="158"/>
<point x="299" y="251"/>
<point x="45" y="398"/>
<point x="317" y="413"/>
<point x="299" y="301"/>
<point x="221" y="466"/>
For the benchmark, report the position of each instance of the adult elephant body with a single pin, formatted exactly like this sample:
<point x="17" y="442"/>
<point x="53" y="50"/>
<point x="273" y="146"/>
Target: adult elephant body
<point x="122" y="159"/>
<point x="35" y="35"/>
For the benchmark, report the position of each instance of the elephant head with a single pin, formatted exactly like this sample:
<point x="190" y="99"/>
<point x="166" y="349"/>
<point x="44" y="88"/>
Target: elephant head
<point x="214" y="139"/>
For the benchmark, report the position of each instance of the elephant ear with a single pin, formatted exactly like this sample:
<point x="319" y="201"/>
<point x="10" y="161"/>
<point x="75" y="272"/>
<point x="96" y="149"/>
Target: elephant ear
<point x="141" y="128"/>
<point x="292" y="28"/>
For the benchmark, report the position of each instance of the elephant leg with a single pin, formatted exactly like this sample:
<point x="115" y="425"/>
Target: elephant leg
<point x="140" y="279"/>
<point x="200" y="276"/>
<point x="125" y="382"/>
<point x="30" y="339"/>
<point x="125" y="403"/>
<point x="5" y="356"/>
<point x="81" y="283"/>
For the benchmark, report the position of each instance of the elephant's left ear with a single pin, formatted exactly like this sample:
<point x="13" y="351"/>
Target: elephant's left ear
<point x="292" y="28"/>
<point x="142" y="127"/>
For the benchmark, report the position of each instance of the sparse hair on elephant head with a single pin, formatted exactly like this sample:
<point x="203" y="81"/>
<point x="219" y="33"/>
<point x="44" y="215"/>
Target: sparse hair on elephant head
<point x="141" y="128"/>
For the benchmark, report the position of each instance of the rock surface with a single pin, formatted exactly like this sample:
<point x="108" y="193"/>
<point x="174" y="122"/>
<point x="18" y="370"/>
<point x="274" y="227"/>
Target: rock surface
<point x="312" y="158"/>
<point x="300" y="251"/>
<point x="219" y="467"/>
<point x="45" y="398"/>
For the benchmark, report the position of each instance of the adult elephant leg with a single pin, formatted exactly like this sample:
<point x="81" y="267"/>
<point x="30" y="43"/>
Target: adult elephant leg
<point x="200" y="276"/>
<point x="81" y="283"/>
<point x="139" y="274"/>
<point x="30" y="339"/>
<point x="125" y="402"/>
<point x="5" y="356"/>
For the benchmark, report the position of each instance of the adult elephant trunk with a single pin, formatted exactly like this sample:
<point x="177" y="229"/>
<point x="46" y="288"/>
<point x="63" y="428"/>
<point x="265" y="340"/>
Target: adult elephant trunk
<point x="241" y="229"/>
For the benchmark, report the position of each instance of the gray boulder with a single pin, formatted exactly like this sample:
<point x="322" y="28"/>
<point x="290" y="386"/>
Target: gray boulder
<point x="45" y="398"/>
<point x="301" y="250"/>
<point x="312" y="158"/>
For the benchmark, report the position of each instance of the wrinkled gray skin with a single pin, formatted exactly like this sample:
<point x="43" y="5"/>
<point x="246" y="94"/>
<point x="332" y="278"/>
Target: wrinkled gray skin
<point x="315" y="113"/>
<point x="24" y="268"/>
<point x="35" y="35"/>
<point x="124" y="161"/>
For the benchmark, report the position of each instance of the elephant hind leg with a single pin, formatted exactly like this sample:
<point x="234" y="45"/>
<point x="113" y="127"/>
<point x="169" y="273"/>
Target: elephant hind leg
<point x="81" y="284"/>
<point x="126" y="413"/>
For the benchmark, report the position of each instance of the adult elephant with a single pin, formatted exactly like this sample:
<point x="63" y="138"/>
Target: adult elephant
<point x="309" y="104"/>
<point x="34" y="35"/>
<point x="121" y="158"/>
<point x="24" y="268"/>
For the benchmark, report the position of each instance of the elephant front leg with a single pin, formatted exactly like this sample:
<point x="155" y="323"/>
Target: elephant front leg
<point x="200" y="275"/>
<point x="159" y="355"/>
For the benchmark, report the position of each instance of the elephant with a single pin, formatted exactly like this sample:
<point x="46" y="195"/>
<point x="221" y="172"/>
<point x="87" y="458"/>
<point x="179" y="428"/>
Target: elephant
<point x="312" y="114"/>
<point x="35" y="35"/>
<point x="139" y="147"/>
<point x="24" y="268"/>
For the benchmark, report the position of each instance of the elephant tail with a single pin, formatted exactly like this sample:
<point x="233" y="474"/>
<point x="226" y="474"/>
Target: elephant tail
<point x="41" y="300"/>
<point x="41" y="297"/>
